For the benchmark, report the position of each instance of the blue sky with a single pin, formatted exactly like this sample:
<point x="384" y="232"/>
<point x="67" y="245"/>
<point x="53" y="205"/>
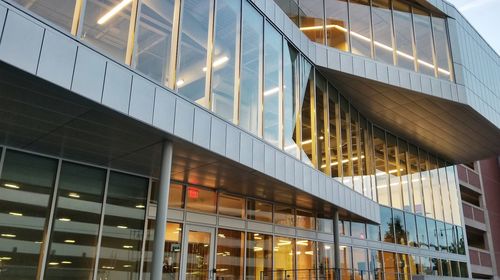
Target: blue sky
<point x="484" y="15"/>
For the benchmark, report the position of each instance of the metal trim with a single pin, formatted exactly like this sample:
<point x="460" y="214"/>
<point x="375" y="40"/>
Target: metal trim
<point x="101" y="225"/>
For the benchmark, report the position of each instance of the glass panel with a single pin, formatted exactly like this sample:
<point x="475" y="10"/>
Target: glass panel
<point x="436" y="188"/>
<point x="232" y="206"/>
<point x="345" y="262"/>
<point x="203" y="200"/>
<point x="260" y="211"/>
<point x="259" y="256"/>
<point x="305" y="219"/>
<point x="376" y="264"/>
<point x="306" y="259"/>
<point x="455" y="270"/>
<point x="173" y="242"/>
<point x="57" y="11"/>
<point x="394" y="173"/>
<point x="333" y="108"/>
<point x="311" y="20"/>
<point x="325" y="225"/>
<point x="198" y="255"/>
<point x="357" y="167"/>
<point x="106" y="26"/>
<point x="390" y="267"/>
<point x="454" y="193"/>
<point x="432" y="233"/>
<point x="426" y="184"/>
<point x="360" y="26"/>
<point x="373" y="232"/>
<point x="290" y="8"/>
<point x="399" y="227"/>
<point x="446" y="200"/>
<point x="416" y="184"/>
<point x="230" y="254"/>
<point x="423" y="41"/>
<point x="426" y="265"/>
<point x="411" y="229"/>
<point x="461" y="240"/>
<point x="192" y="56"/>
<point x="415" y="266"/>
<point x="464" y="272"/>
<point x="360" y="263"/>
<point x="405" y="178"/>
<point x="386" y="225"/>
<point x="451" y="238"/>
<point x="441" y="44"/>
<point x="175" y="196"/>
<point x="345" y="121"/>
<point x="284" y="257"/>
<point x="423" y="241"/>
<point x="445" y="266"/>
<point x="227" y="21"/>
<point x="326" y="261"/>
<point x="345" y="228"/>
<point x="290" y="91"/>
<point x="306" y="92"/>
<point x="358" y="230"/>
<point x="403" y="32"/>
<point x="337" y="24"/>
<point x="273" y="52"/>
<point x="404" y="266"/>
<point x="441" y="232"/>
<point x="77" y="218"/>
<point x="283" y="215"/>
<point x="154" y="39"/>
<point x="25" y="189"/>
<point x="381" y="167"/>
<point x="252" y="49"/>
<point x="364" y="158"/>
<point x="321" y="96"/>
<point x="382" y="31"/>
<point x="123" y="227"/>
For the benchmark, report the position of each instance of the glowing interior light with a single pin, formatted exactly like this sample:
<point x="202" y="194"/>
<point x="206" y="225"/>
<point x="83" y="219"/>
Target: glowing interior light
<point x="74" y="195"/>
<point x="8" y="235"/>
<point x="257" y="249"/>
<point x="53" y="263"/>
<point x="70" y="241"/>
<point x="66" y="262"/>
<point x="305" y="142"/>
<point x="122" y="227"/>
<point x="271" y="91"/>
<point x="127" y="265"/>
<point x="343" y="161"/>
<point x="180" y="83"/>
<point x="395" y="170"/>
<point x="218" y="62"/>
<point x="5" y="258"/>
<point x="12" y="186"/>
<point x="128" y="246"/>
<point x="140" y="206"/>
<point x="64" y="219"/>
<point x="113" y="11"/>
<point x="15" y="214"/>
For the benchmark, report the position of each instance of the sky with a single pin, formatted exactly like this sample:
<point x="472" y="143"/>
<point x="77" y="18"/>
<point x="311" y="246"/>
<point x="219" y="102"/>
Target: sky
<point x="484" y="15"/>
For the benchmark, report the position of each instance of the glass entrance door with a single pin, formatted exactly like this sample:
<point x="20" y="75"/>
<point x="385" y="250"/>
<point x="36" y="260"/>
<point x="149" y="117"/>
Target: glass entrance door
<point x="198" y="257"/>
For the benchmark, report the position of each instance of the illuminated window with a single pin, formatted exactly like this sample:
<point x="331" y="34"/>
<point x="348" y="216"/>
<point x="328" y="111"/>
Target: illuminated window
<point x="231" y="206"/>
<point x="230" y="254"/>
<point x="200" y="199"/>
<point x="259" y="258"/>
<point x="311" y="20"/>
<point x="284" y="216"/>
<point x="337" y="24"/>
<point x="305" y="219"/>
<point x="284" y="257"/>
<point x="259" y="211"/>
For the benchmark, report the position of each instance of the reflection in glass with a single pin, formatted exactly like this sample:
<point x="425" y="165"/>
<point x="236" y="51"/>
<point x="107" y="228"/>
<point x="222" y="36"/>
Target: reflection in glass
<point x="423" y="241"/>
<point x="192" y="56"/>
<point x="404" y="173"/>
<point x="432" y="233"/>
<point x="231" y="206"/>
<point x="259" y="211"/>
<point x="399" y="227"/>
<point x="273" y="52"/>
<point x="365" y="158"/>
<point x="326" y="261"/>
<point x="334" y="122"/>
<point x="337" y="24"/>
<point x="360" y="263"/>
<point x="386" y="224"/>
<point x="423" y="41"/>
<point x="311" y="20"/>
<point x="321" y="137"/>
<point x="358" y="230"/>
<point x="175" y="196"/>
<point x="108" y="30"/>
<point x="25" y="189"/>
<point x="390" y="266"/>
<point x="230" y="254"/>
<point x="290" y="91"/>
<point x="376" y="268"/>
<point x="360" y="27"/>
<point x="404" y="266"/>
<point x="442" y="238"/>
<point x="259" y="257"/>
<point x="394" y="172"/>
<point x="305" y="99"/>
<point x="284" y="257"/>
<point x="443" y="59"/>
<point x="345" y="125"/>
<point x="382" y="31"/>
<point x="324" y="224"/>
<point x="443" y="182"/>
<point x="199" y="199"/>
<point x="57" y="11"/>
<point x="306" y="259"/>
<point x="227" y="19"/>
<point x="290" y="8"/>
<point x="411" y="230"/>
<point x="345" y="262"/>
<point x="252" y="49"/>
<point x="77" y="218"/>
<point x="154" y="39"/>
<point x="173" y="243"/>
<point x="403" y="32"/>
<point x="454" y="194"/>
<point x="436" y="188"/>
<point x="381" y="174"/>
<point x="416" y="184"/>
<point x="357" y="159"/>
<point x="284" y="215"/>
<point x="305" y="219"/>
<point x="198" y="255"/>
<point x="426" y="184"/>
<point x="373" y="232"/>
<point x="123" y="228"/>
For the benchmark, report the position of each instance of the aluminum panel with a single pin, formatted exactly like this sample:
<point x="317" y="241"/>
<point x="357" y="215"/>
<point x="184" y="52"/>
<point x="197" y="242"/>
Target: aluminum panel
<point x="321" y="55"/>
<point x="393" y="76"/>
<point x="202" y="126"/>
<point x="346" y="63"/>
<point x="415" y="82"/>
<point x="218" y="136"/>
<point x="280" y="166"/>
<point x="436" y="87"/>
<point x="117" y="87"/>
<point x="333" y="59"/>
<point x="246" y="150"/>
<point x="142" y="99"/>
<point x="57" y="59"/>
<point x="322" y="186"/>
<point x="371" y="69"/>
<point x="404" y="79"/>
<point x="306" y="171"/>
<point x="3" y="14"/>
<point x="258" y="155"/>
<point x="232" y="143"/>
<point x="290" y="170"/>
<point x="269" y="161"/>
<point x="88" y="79"/>
<point x="184" y="119"/>
<point x="359" y="66"/>
<point x="299" y="182"/>
<point x="21" y="42"/>
<point x="382" y="73"/>
<point x="164" y="110"/>
<point x="314" y="182"/>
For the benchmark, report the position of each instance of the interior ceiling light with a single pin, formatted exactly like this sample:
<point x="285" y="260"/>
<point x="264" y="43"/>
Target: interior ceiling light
<point x="65" y="219"/>
<point x="8" y="235"/>
<point x="271" y="91"/>
<point x="74" y="195"/>
<point x="378" y="44"/>
<point x="217" y="62"/>
<point x="113" y="11"/>
<point x="15" y="214"/>
<point x="12" y="186"/>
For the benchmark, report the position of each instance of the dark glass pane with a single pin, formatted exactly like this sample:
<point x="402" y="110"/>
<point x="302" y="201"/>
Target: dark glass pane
<point x="306" y="94"/>
<point x="231" y="206"/>
<point x="230" y="254"/>
<point x="305" y="219"/>
<point x="202" y="200"/>
<point x="382" y="31"/>
<point x="76" y="222"/>
<point x="25" y="190"/>
<point x="399" y="227"/>
<point x="312" y="20"/>
<point x="284" y="215"/>
<point x="386" y="225"/>
<point x="411" y="229"/>
<point x="423" y="241"/>
<point x="57" y="11"/>
<point x="259" y="258"/>
<point x="337" y="24"/>
<point x="290" y="93"/>
<point x="259" y="211"/>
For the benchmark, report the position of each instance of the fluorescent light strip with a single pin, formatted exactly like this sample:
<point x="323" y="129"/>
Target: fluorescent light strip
<point x="113" y="11"/>
<point x="378" y="44"/>
<point x="271" y="91"/>
<point x="217" y="62"/>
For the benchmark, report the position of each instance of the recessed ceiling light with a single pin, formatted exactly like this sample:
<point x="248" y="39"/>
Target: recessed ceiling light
<point x="140" y="206"/>
<point x="64" y="219"/>
<point x="128" y="246"/>
<point x="53" y="263"/>
<point x="8" y="235"/>
<point x="74" y="195"/>
<point x="12" y="186"/>
<point x="5" y="258"/>
<point x="122" y="227"/>
<point x="127" y="265"/>
<point x="16" y="214"/>
<point x="66" y="262"/>
<point x="71" y="241"/>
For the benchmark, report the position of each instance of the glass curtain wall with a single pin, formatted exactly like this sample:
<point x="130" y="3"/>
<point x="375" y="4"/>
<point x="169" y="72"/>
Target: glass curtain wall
<point x="441" y="43"/>
<point x="291" y="69"/>
<point x="322" y="132"/>
<point x="311" y="20"/>
<point x="423" y="42"/>
<point x="382" y="31"/>
<point x="337" y="24"/>
<point x="403" y="33"/>
<point x="360" y="27"/>
<point x="306" y="103"/>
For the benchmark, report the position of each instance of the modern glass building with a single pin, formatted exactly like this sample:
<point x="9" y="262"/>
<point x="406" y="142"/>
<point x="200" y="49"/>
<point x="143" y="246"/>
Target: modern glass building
<point x="240" y="139"/>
